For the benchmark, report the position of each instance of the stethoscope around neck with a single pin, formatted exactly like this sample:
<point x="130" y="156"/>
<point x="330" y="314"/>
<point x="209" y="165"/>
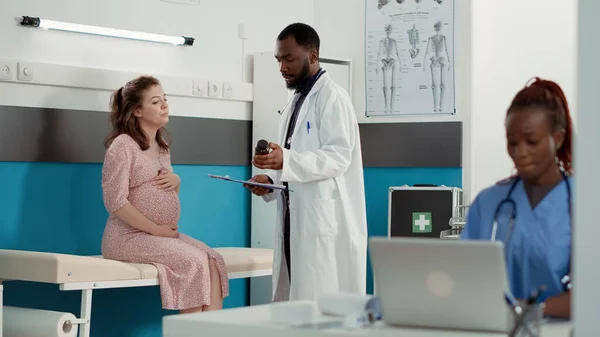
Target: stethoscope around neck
<point x="310" y="85"/>
<point x="535" y="296"/>
<point x="509" y="201"/>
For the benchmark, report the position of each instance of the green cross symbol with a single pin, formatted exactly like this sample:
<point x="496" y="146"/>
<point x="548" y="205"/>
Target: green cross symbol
<point x="421" y="222"/>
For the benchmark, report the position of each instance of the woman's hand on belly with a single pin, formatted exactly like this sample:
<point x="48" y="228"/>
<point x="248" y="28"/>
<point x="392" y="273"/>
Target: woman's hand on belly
<point x="159" y="206"/>
<point x="167" y="231"/>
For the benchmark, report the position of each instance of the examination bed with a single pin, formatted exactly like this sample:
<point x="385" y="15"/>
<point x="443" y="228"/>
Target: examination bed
<point x="85" y="273"/>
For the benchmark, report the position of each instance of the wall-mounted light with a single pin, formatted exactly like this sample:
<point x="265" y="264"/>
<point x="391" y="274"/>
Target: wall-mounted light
<point x="95" y="30"/>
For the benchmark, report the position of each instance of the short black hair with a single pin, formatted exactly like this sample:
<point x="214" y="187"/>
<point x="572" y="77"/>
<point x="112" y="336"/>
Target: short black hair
<point x="304" y="35"/>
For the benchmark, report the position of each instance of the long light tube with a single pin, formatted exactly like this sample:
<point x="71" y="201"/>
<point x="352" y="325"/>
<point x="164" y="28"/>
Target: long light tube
<point x="103" y="31"/>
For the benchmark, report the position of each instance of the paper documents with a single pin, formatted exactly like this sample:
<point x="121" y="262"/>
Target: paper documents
<point x="227" y="178"/>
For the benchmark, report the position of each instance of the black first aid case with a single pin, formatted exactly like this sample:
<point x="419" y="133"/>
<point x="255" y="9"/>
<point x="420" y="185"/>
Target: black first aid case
<point x="422" y="211"/>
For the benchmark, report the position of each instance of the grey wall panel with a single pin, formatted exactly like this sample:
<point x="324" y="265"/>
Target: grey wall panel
<point x="61" y="135"/>
<point x="210" y="141"/>
<point x="427" y="144"/>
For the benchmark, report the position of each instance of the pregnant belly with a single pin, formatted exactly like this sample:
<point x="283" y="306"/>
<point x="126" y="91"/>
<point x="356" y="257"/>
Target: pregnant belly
<point x="160" y="207"/>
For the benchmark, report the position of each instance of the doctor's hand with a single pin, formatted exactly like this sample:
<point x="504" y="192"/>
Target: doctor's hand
<point x="271" y="161"/>
<point x="258" y="190"/>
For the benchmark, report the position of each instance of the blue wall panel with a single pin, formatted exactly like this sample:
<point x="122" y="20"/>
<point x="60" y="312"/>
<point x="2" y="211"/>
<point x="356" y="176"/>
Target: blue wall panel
<point x="58" y="207"/>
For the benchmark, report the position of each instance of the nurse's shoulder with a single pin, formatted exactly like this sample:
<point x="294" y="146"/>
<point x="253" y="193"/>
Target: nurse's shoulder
<point x="483" y="208"/>
<point x="492" y="195"/>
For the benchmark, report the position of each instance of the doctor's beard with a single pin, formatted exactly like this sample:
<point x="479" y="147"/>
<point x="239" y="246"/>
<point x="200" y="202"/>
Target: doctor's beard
<point x="301" y="77"/>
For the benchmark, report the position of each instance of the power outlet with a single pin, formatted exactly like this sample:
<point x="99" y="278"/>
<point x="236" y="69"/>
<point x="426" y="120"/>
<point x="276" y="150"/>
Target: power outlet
<point x="7" y="69"/>
<point x="200" y="88"/>
<point x="242" y="31"/>
<point x="227" y="90"/>
<point x="214" y="88"/>
<point x="25" y="72"/>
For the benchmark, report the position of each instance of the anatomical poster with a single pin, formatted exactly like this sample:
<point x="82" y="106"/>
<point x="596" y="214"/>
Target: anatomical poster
<point x="409" y="57"/>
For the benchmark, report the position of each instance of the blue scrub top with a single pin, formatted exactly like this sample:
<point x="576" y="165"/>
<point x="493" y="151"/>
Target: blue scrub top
<point x="540" y="245"/>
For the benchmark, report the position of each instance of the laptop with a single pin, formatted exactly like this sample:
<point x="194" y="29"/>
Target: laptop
<point x="433" y="283"/>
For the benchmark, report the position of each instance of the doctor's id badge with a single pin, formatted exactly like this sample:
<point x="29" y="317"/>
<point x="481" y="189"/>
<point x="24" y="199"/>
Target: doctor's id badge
<point x="421" y="222"/>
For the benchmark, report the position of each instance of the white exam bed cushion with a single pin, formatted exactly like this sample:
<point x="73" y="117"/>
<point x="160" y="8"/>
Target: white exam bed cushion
<point x="65" y="268"/>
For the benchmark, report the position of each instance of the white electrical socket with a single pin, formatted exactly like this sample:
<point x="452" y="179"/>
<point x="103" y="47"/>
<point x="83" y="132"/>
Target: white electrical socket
<point x="7" y="69"/>
<point x="227" y="90"/>
<point x="25" y="72"/>
<point x="214" y="88"/>
<point x="200" y="88"/>
<point x="242" y="31"/>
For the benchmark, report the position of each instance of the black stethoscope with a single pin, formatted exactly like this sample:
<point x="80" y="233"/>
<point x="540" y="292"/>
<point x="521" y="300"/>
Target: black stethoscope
<point x="513" y="216"/>
<point x="311" y="84"/>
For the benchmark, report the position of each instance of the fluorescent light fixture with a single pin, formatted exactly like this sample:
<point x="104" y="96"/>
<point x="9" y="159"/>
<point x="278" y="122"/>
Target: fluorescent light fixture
<point x="103" y="31"/>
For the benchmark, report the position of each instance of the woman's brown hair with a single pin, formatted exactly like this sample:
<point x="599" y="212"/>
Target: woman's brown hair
<point x="123" y="103"/>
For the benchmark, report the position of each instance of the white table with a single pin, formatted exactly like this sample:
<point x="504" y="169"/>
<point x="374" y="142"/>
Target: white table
<point x="254" y="321"/>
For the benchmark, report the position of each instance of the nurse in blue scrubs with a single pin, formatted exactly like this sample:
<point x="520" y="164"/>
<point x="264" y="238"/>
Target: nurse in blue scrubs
<point x="537" y="198"/>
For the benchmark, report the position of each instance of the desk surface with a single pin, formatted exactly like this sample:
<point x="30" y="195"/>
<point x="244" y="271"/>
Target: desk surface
<point x="255" y="321"/>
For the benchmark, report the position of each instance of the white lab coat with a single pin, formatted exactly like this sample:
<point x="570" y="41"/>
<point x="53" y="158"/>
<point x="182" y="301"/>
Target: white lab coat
<point x="328" y="225"/>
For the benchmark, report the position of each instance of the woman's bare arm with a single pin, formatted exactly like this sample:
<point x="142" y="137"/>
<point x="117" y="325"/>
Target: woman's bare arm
<point x="559" y="306"/>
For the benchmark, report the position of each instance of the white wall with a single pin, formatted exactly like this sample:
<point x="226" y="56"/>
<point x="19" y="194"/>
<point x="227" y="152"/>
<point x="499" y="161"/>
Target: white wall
<point x="216" y="54"/>
<point x="510" y="42"/>
<point x="500" y="45"/>
<point x="587" y="162"/>
<point x="343" y="36"/>
<point x="514" y="40"/>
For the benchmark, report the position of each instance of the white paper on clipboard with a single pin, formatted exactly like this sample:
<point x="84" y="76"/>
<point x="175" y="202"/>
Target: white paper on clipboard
<point x="227" y="178"/>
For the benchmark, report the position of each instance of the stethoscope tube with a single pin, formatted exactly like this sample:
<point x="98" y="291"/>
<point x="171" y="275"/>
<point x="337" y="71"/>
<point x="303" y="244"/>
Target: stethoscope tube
<point x="519" y="311"/>
<point x="513" y="216"/>
<point x="566" y="281"/>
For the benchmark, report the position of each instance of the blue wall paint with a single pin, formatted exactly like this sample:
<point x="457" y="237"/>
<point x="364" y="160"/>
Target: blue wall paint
<point x="57" y="207"/>
<point x="377" y="183"/>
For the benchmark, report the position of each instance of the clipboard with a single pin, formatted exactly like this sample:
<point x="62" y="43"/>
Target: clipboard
<point x="227" y="178"/>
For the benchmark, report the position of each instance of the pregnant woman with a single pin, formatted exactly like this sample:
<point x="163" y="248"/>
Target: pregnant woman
<point x="141" y="195"/>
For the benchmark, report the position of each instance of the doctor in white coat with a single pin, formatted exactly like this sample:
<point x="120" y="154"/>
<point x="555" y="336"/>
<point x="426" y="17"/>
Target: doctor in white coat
<point x="321" y="233"/>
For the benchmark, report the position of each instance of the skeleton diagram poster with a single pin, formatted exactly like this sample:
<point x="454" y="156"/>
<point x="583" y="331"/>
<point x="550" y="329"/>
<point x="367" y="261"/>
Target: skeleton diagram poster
<point x="409" y="57"/>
